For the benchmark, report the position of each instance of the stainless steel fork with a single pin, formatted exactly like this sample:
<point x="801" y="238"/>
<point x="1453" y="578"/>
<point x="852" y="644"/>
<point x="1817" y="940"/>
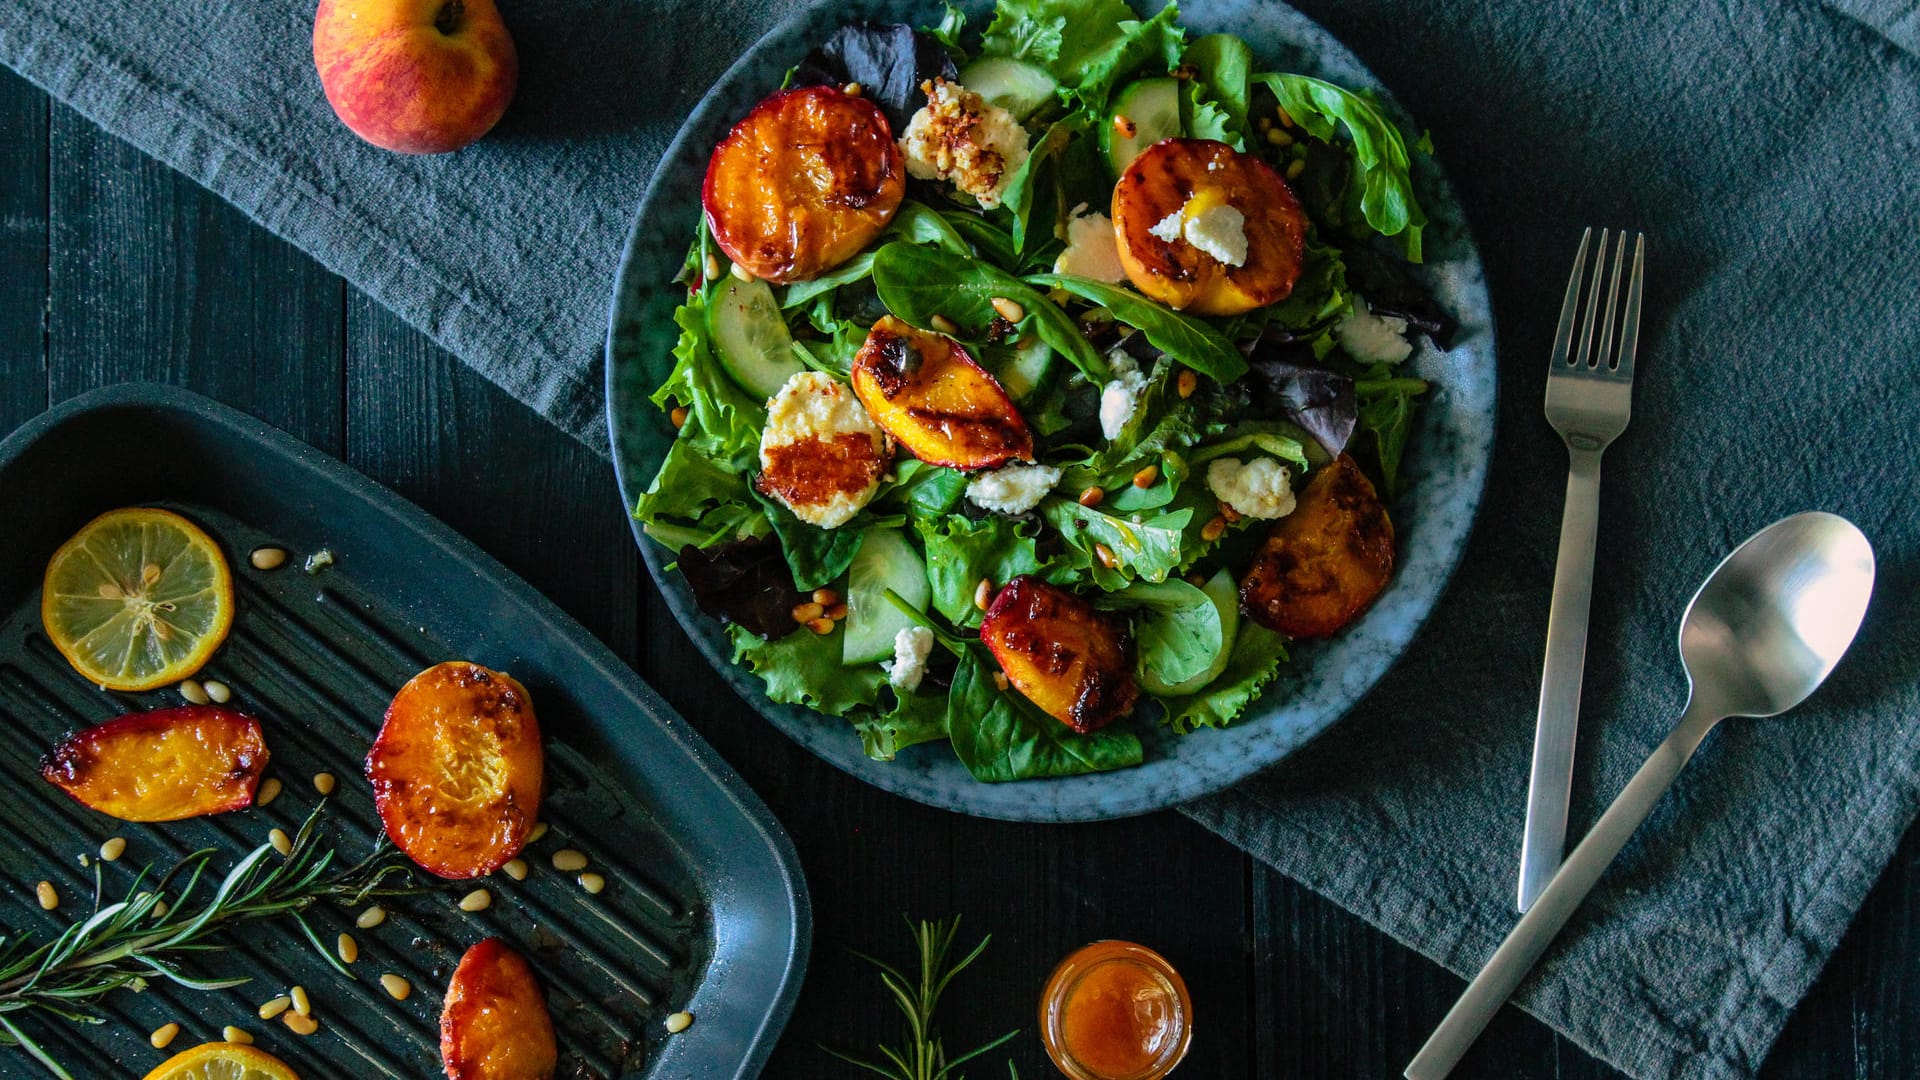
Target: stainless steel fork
<point x="1589" y="399"/>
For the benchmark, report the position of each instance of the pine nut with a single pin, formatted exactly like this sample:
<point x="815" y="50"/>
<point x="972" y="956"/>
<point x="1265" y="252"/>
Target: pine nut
<point x="534" y="834"/>
<point x="741" y="273"/>
<point x="235" y="1035"/>
<point x="1146" y="477"/>
<point x="1092" y="496"/>
<point x="712" y="267"/>
<point x="371" y="917"/>
<point x="1278" y="137"/>
<point x="1281" y="112"/>
<point x="194" y="692"/>
<point x="1009" y="310"/>
<point x="268" y="558"/>
<point x="837" y="612"/>
<point x="1124" y="126"/>
<point x="47" y="897"/>
<point x="679" y="1022"/>
<point x="300" y="1024"/>
<point x="567" y="860"/>
<point x="1294" y="170"/>
<point x="983" y="593"/>
<point x="477" y="900"/>
<point x="852" y="89"/>
<point x="821" y="625"/>
<point x="301" y="1003"/>
<point x="516" y="869"/>
<point x="593" y="883"/>
<point x="1186" y="382"/>
<point x="269" y="791"/>
<point x="348" y="948"/>
<point x="115" y="847"/>
<point x="274" y="1008"/>
<point x="281" y="842"/>
<point x="826" y="598"/>
<point x="678" y="416"/>
<point x="1227" y="511"/>
<point x="1263" y="124"/>
<point x="807" y="612"/>
<point x="1106" y="556"/>
<point x="944" y="324"/>
<point x="1211" y="530"/>
<point x="323" y="783"/>
<point x="220" y="692"/>
<point x="163" y="1036"/>
<point x="1000" y="680"/>
<point x="396" y="987"/>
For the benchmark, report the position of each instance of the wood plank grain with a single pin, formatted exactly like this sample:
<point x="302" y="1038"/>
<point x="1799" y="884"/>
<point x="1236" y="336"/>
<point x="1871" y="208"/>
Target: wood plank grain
<point x="152" y="277"/>
<point x="23" y="250"/>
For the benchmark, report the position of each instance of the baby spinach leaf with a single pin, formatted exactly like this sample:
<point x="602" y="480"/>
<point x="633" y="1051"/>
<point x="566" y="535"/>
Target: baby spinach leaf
<point x="960" y="552"/>
<point x="989" y="241"/>
<point x="999" y="735"/>
<point x="818" y="556"/>
<point x="924" y="491"/>
<point x="1379" y="150"/>
<point x="916" y="283"/>
<point x="1256" y="658"/>
<point x="804" y="668"/>
<point x="915" y="222"/>
<point x="1176" y="628"/>
<point x="1183" y="337"/>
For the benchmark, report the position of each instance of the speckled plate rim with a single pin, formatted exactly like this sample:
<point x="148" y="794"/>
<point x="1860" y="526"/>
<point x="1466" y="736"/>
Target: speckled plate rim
<point x="1445" y="472"/>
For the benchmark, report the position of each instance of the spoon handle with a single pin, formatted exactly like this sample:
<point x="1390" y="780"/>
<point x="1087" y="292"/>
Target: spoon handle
<point x="1542" y="923"/>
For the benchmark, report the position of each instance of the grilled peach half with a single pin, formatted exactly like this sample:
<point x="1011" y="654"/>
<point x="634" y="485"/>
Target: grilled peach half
<point x="457" y="770"/>
<point x="1067" y="657"/>
<point x="1326" y="562"/>
<point x="805" y="181"/>
<point x="936" y="401"/>
<point x="162" y="765"/>
<point x="494" y="1024"/>
<point x="1181" y="178"/>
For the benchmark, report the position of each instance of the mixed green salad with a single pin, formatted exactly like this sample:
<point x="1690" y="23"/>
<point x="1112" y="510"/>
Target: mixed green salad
<point x="1131" y="406"/>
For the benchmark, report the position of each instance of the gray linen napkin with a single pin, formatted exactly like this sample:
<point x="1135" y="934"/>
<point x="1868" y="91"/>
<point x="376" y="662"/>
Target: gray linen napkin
<point x="1767" y="148"/>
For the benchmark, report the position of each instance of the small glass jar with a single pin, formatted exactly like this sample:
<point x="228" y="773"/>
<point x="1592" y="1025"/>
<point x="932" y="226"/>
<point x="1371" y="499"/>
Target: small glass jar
<point x="1116" y="1011"/>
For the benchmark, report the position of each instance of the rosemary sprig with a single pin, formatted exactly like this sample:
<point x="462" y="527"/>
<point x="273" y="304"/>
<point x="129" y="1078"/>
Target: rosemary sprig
<point x="923" y="1057"/>
<point x="135" y="940"/>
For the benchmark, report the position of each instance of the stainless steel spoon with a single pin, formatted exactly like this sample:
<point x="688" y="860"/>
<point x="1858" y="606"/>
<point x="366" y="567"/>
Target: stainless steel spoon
<point x="1762" y="633"/>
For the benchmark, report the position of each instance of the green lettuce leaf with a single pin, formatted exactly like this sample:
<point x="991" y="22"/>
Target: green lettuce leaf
<point x="1220" y="92"/>
<point x="1379" y="151"/>
<point x="803" y="668"/>
<point x="1257" y="655"/>
<point x="1148" y="549"/>
<point x="912" y="719"/>
<point x="917" y="283"/>
<point x="960" y="552"/>
<point x="1387" y="408"/>
<point x="723" y="421"/>
<point x="999" y="735"/>
<point x="1088" y="46"/>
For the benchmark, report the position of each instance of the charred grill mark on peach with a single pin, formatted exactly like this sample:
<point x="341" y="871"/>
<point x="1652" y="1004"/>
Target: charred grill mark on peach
<point x="1323" y="565"/>
<point x="1056" y="649"/>
<point x="927" y="392"/>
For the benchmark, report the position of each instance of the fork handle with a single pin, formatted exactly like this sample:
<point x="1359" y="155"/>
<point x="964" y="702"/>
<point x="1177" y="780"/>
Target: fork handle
<point x="1551" y="780"/>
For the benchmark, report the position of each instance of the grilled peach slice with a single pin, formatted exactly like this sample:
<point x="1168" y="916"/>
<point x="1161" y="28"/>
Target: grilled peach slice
<point x="1066" y="657"/>
<point x="162" y="765"/>
<point x="457" y="769"/>
<point x="803" y="183"/>
<point x="1175" y="181"/>
<point x="1323" y="564"/>
<point x="494" y="1025"/>
<point x="936" y="401"/>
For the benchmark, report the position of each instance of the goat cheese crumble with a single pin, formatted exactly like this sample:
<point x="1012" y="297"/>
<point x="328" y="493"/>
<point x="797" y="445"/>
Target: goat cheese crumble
<point x="1370" y="338"/>
<point x="1012" y="489"/>
<point x="1120" y="397"/>
<point x="1093" y="251"/>
<point x="1261" y="488"/>
<point x="1211" y="226"/>
<point x="963" y="137"/>
<point x="911" y="647"/>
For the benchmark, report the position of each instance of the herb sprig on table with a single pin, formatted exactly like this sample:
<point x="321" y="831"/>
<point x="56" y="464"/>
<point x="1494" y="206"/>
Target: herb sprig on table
<point x="137" y="940"/>
<point x="923" y="1057"/>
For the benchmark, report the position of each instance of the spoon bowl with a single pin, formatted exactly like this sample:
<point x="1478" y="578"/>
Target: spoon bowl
<point x="1774" y="617"/>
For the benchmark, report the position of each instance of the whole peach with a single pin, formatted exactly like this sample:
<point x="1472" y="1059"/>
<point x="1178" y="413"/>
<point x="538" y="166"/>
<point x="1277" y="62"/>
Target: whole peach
<point x="416" y="76"/>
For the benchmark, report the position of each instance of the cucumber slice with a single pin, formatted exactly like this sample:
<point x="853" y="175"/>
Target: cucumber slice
<point x="1225" y="594"/>
<point x="1151" y="108"/>
<point x="1021" y="89"/>
<point x="751" y="337"/>
<point x="1029" y="371"/>
<point x="885" y="561"/>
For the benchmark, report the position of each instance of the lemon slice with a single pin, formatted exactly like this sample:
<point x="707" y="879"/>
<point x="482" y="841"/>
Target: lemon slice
<point x="223" y="1061"/>
<point x="138" y="598"/>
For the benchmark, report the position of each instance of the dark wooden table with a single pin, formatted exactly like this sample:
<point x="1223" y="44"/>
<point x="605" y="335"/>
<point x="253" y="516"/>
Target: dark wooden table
<point x="114" y="268"/>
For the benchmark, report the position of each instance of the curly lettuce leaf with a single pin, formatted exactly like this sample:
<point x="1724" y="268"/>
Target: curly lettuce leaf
<point x="999" y="735"/>
<point x="960" y="552"/>
<point x="1149" y="549"/>
<point x="1386" y="197"/>
<point x="1088" y="46"/>
<point x="912" y="719"/>
<point x="1256" y="658"/>
<point x="804" y="668"/>
<point x="1218" y="97"/>
<point x="723" y="421"/>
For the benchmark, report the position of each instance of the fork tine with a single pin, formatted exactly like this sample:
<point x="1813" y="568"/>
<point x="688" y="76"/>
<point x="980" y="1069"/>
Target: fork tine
<point x="1604" y="358"/>
<point x="1593" y="305"/>
<point x="1570" y="307"/>
<point x="1630" y="322"/>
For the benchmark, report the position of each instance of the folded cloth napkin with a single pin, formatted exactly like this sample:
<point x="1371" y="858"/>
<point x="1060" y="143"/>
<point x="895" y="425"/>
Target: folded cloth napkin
<point x="1767" y="148"/>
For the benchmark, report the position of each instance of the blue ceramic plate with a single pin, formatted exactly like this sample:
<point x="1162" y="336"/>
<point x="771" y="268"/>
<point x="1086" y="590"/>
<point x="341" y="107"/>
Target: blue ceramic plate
<point x="1444" y="473"/>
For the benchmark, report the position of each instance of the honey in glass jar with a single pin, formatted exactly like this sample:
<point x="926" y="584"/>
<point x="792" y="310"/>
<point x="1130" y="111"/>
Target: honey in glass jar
<point x="1116" y="1011"/>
